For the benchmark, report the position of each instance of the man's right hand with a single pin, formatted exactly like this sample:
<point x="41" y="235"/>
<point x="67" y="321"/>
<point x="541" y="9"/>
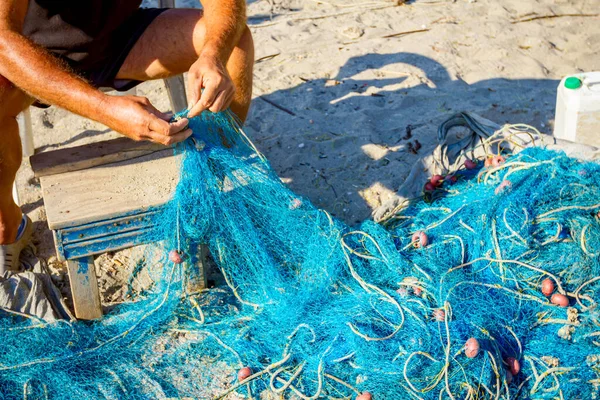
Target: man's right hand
<point x="137" y="119"/>
<point x="34" y="71"/>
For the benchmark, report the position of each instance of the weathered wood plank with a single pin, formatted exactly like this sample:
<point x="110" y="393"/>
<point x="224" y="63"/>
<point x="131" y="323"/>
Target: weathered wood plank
<point x="84" y="288"/>
<point x="91" y="155"/>
<point x="196" y="268"/>
<point x="166" y="3"/>
<point x="176" y="91"/>
<point x="110" y="191"/>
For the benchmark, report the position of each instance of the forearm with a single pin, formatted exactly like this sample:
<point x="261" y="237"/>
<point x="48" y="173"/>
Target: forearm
<point x="225" y="21"/>
<point x="39" y="74"/>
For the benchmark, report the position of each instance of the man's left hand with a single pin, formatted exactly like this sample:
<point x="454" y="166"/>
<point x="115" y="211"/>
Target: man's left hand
<point x="211" y="86"/>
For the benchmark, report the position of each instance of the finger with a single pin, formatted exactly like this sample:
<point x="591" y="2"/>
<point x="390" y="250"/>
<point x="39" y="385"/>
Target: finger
<point x="195" y="83"/>
<point x="167" y="129"/>
<point x="157" y="137"/>
<point x="153" y="110"/>
<point x="178" y="126"/>
<point x="159" y="125"/>
<point x="227" y="102"/>
<point x="219" y="103"/>
<point x="229" y="99"/>
<point x="209" y="94"/>
<point x="180" y="137"/>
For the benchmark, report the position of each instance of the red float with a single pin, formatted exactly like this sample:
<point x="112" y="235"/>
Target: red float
<point x="472" y="348"/>
<point x="547" y="286"/>
<point x="176" y="256"/>
<point x="437" y="180"/>
<point x="244" y="373"/>
<point x="420" y="239"/>
<point x="560" y="300"/>
<point x="470" y="164"/>
<point x="498" y="160"/>
<point x="514" y="366"/>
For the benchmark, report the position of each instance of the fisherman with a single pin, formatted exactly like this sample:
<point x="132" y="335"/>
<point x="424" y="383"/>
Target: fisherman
<point x="60" y="52"/>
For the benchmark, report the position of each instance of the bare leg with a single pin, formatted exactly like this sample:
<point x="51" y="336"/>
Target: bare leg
<point x="172" y="43"/>
<point x="12" y="102"/>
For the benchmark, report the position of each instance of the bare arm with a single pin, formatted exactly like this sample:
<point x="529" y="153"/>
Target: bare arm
<point x="225" y="21"/>
<point x="38" y="73"/>
<point x="43" y="77"/>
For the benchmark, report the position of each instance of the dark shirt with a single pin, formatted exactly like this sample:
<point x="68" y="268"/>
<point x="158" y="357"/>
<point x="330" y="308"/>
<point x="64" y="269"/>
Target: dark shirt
<point x="80" y="31"/>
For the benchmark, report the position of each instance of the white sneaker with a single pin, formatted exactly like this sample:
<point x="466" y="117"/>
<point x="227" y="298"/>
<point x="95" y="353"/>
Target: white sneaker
<point x="9" y="253"/>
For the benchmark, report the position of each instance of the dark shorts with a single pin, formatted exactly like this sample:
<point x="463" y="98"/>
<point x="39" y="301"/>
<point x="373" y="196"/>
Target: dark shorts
<point x="102" y="72"/>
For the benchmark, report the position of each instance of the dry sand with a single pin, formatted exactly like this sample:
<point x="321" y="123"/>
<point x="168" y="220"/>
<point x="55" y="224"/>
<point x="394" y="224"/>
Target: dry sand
<point x="337" y="82"/>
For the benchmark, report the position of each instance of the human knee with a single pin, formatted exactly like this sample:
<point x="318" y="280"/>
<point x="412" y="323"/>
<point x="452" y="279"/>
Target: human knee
<point x="10" y="150"/>
<point x="246" y="42"/>
<point x="11" y="99"/>
<point x="10" y="143"/>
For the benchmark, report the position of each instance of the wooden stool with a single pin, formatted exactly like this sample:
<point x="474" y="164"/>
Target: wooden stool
<point x="101" y="197"/>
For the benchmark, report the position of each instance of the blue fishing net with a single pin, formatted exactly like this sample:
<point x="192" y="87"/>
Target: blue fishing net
<point x="442" y="300"/>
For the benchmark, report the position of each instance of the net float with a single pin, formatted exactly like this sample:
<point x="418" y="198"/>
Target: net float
<point x="244" y="373"/>
<point x="498" y="160"/>
<point x="420" y="239"/>
<point x="503" y="186"/>
<point x="560" y="300"/>
<point x="296" y="203"/>
<point x="488" y="162"/>
<point x="451" y="178"/>
<point x="176" y="256"/>
<point x="514" y="366"/>
<point x="437" y="180"/>
<point x="472" y="348"/>
<point x="547" y="286"/>
<point x="417" y="290"/>
<point x="364" y="396"/>
<point x="429" y="187"/>
<point x="470" y="164"/>
<point x="509" y="377"/>
<point x="403" y="292"/>
<point x="439" y="315"/>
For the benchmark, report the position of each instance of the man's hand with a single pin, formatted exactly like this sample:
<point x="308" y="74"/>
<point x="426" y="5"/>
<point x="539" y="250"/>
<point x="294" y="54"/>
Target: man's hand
<point x="137" y="119"/>
<point x="209" y="73"/>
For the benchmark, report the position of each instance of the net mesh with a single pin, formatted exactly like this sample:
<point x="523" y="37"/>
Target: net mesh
<point x="317" y="309"/>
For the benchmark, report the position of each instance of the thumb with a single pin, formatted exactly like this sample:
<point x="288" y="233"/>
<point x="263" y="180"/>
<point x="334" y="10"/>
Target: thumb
<point x="195" y="84"/>
<point x="153" y="110"/>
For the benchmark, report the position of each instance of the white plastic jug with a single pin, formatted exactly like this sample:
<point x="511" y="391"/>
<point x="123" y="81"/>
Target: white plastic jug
<point x="578" y="109"/>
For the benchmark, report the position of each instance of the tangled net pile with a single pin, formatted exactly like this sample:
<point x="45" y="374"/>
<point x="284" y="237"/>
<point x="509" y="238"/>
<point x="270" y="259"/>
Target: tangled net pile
<point x="485" y="288"/>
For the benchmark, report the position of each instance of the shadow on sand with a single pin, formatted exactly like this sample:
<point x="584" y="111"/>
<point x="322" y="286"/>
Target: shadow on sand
<point x="350" y="134"/>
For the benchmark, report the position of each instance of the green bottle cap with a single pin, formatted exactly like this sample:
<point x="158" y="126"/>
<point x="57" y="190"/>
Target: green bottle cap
<point x="573" y="82"/>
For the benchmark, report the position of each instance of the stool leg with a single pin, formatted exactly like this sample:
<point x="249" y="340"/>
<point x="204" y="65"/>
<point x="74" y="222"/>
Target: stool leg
<point x="176" y="91"/>
<point x="197" y="268"/>
<point x="16" y="194"/>
<point x="166" y="3"/>
<point x="26" y="132"/>
<point x="84" y="288"/>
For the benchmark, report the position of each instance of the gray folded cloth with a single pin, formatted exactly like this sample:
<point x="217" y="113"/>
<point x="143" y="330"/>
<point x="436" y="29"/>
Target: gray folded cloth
<point x="457" y="145"/>
<point x="31" y="292"/>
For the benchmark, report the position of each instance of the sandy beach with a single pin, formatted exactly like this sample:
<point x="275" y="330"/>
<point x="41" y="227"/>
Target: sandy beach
<point x="348" y="94"/>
